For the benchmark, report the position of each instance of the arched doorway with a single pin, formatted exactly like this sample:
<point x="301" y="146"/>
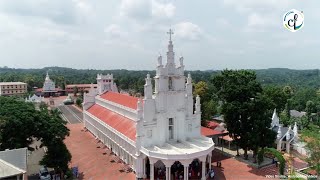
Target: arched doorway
<point x="159" y="170"/>
<point x="195" y="169"/>
<point x="177" y="170"/>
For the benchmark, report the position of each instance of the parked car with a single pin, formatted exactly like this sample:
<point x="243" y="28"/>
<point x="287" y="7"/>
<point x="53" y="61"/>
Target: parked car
<point x="44" y="174"/>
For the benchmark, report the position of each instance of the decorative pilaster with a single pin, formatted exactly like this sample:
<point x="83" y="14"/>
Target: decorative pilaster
<point x="198" y="105"/>
<point x="148" y="88"/>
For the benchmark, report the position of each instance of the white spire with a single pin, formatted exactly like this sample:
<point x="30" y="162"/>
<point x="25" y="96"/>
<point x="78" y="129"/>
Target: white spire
<point x="275" y="119"/>
<point x="170" y="53"/>
<point x="189" y="79"/>
<point x="181" y="60"/>
<point x="159" y="60"/>
<point x="148" y="88"/>
<point x="198" y="105"/>
<point x="279" y="132"/>
<point x="295" y="128"/>
<point x="288" y="133"/>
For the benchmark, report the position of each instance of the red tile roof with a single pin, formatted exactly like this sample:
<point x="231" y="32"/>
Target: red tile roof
<point x="122" y="99"/>
<point x="124" y="125"/>
<point x="209" y="132"/>
<point x="212" y="124"/>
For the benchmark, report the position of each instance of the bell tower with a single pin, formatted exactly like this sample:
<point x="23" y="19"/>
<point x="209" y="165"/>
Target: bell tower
<point x="106" y="83"/>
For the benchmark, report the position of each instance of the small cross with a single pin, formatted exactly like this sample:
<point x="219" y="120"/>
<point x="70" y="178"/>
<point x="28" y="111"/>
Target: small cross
<point x="170" y="33"/>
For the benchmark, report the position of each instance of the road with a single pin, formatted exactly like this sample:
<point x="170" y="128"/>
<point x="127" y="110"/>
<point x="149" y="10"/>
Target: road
<point x="71" y="114"/>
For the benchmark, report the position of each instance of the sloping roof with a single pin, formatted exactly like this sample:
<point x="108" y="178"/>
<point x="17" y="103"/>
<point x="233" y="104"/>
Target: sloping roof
<point x="12" y="83"/>
<point x="15" y="158"/>
<point x="8" y="170"/>
<point x="122" y="99"/>
<point x="212" y="124"/>
<point x="81" y="85"/>
<point x="295" y="113"/>
<point x="124" y="125"/>
<point x="209" y="132"/>
<point x="227" y="138"/>
<point x="41" y="90"/>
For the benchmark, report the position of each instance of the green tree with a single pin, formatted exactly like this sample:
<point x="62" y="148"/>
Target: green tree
<point x="310" y="108"/>
<point x="209" y="103"/>
<point x="75" y="90"/>
<point x="79" y="102"/>
<point x="237" y="89"/>
<point x="57" y="157"/>
<point x="311" y="137"/>
<point x="261" y="135"/>
<point x="29" y="124"/>
<point x="278" y="97"/>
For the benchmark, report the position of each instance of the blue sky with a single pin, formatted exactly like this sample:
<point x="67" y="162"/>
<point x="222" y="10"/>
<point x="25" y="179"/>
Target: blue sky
<point x="129" y="34"/>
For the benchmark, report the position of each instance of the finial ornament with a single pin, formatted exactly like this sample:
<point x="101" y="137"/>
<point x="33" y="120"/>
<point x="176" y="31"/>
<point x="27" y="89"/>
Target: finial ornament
<point x="170" y="33"/>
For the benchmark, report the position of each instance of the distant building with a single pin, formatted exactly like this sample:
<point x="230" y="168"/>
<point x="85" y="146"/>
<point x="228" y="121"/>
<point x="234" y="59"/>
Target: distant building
<point x="160" y="135"/>
<point x="13" y="164"/>
<point x="287" y="137"/>
<point x="81" y="87"/>
<point x="34" y="99"/>
<point x="12" y="88"/>
<point x="49" y="88"/>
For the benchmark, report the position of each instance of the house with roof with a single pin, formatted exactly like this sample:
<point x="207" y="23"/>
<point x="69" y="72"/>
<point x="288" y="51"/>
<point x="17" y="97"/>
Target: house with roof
<point x="13" y="164"/>
<point x="34" y="99"/>
<point x="159" y="135"/>
<point x="286" y="136"/>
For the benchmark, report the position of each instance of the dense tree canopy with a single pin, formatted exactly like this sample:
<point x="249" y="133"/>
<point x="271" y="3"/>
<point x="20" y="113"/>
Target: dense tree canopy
<point x="21" y="124"/>
<point x="312" y="138"/>
<point x="246" y="110"/>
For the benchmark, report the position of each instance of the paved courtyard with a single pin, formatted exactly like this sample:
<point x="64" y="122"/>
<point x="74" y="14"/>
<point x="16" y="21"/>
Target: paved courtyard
<point x="91" y="161"/>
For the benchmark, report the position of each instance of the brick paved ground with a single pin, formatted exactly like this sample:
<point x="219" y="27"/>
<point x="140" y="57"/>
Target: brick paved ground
<point x="91" y="161"/>
<point x="234" y="169"/>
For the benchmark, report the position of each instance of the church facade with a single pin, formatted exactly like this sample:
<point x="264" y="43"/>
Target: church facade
<point x="160" y="132"/>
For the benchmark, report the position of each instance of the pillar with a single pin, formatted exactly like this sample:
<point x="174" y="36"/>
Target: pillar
<point x="288" y="147"/>
<point x="151" y="171"/>
<point x="144" y="168"/>
<point x="186" y="173"/>
<point x="168" y="165"/>
<point x="210" y="160"/>
<point x="168" y="173"/>
<point x="203" y="177"/>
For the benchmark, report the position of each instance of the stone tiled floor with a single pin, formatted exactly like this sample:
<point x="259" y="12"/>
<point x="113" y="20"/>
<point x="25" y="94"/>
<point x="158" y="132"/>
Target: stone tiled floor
<point x="91" y="161"/>
<point x="93" y="164"/>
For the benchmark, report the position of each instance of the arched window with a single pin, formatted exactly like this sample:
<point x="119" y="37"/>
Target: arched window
<point x="170" y="83"/>
<point x="171" y="128"/>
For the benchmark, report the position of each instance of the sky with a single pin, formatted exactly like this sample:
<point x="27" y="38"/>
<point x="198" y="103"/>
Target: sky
<point x="130" y="34"/>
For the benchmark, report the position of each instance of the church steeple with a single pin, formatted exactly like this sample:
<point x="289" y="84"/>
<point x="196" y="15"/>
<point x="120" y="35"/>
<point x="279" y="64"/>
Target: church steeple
<point x="170" y="54"/>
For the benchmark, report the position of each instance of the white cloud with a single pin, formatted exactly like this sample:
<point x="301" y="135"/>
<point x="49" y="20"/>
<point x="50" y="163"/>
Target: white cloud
<point x="115" y="31"/>
<point x="223" y="22"/>
<point x="163" y="10"/>
<point x="142" y="10"/>
<point x="260" y="23"/>
<point x="187" y="30"/>
<point x="247" y="5"/>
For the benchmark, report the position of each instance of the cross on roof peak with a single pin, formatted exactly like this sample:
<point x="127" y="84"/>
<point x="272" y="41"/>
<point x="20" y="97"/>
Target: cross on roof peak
<point x="170" y="33"/>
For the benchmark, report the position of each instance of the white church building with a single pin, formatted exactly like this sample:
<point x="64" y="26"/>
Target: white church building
<point x="157" y="135"/>
<point x="287" y="137"/>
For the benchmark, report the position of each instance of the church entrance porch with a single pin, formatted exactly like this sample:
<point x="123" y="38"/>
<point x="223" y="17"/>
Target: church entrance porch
<point x="177" y="170"/>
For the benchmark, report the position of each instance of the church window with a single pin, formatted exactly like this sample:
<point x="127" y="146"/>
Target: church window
<point x="170" y="128"/>
<point x="149" y="133"/>
<point x="170" y="83"/>
<point x="189" y="127"/>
